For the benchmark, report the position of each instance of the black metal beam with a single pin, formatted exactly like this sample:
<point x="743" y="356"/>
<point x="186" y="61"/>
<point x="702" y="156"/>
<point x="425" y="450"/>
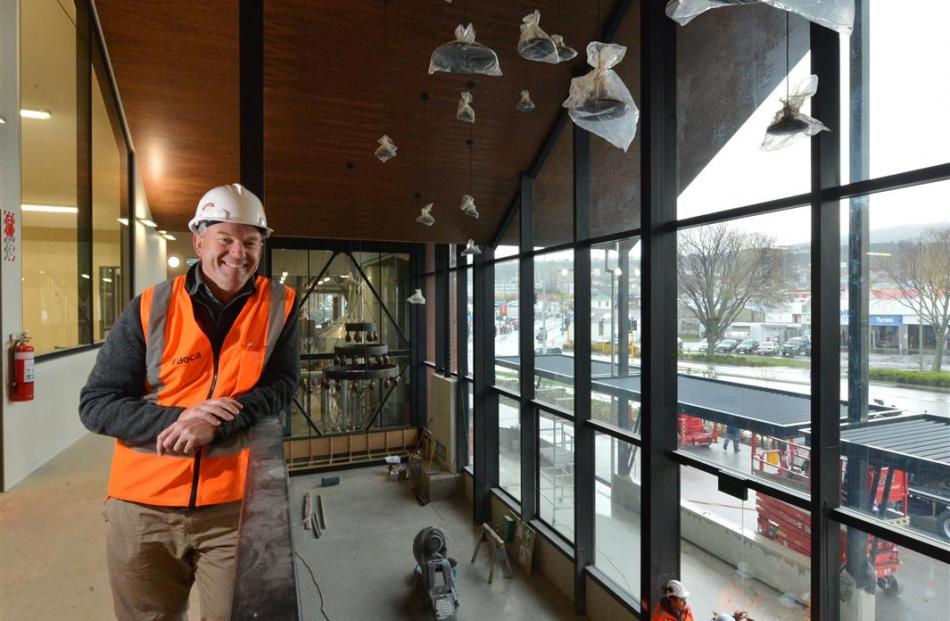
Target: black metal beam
<point x="251" y="100"/>
<point x="462" y="413"/>
<point x="84" y="33"/>
<point x="529" y="415"/>
<point x="443" y="321"/>
<point x="825" y="324"/>
<point x="486" y="400"/>
<point x="583" y="434"/>
<point x="417" y="334"/>
<point x="660" y="495"/>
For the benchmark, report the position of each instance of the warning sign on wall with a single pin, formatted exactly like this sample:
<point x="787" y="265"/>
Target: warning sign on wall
<point x="9" y="236"/>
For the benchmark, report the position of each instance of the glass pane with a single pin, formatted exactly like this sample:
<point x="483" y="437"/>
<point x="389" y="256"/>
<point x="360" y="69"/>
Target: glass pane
<point x="506" y="325"/>
<point x="49" y="182"/>
<point x="615" y="174"/>
<point x="469" y="318"/>
<point x="745" y="326"/>
<point x="509" y="446"/>
<point x="903" y="586"/>
<point x="723" y="114"/>
<point x="553" y="329"/>
<point x="906" y="43"/>
<point x="297" y="269"/>
<point x="615" y="331"/>
<point x="894" y="331"/>
<point x="470" y="398"/>
<point x="109" y="203"/>
<point x="430" y="318"/>
<point x="508" y="245"/>
<point x="453" y="323"/>
<point x="743" y="555"/>
<point x="554" y="194"/>
<point x="617" y="520"/>
<point x="556" y="473"/>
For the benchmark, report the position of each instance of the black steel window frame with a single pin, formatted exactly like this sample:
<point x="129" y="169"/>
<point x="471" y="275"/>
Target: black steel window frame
<point x="92" y="55"/>
<point x="657" y="231"/>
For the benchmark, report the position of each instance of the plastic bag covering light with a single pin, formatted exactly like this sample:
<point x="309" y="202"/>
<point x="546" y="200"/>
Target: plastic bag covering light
<point x="425" y="216"/>
<point x="564" y="52"/>
<point x="535" y="44"/>
<point x="789" y="123"/>
<point x="525" y="104"/>
<point x="416" y="297"/>
<point x="468" y="206"/>
<point x="386" y="149"/>
<point x="464" y="55"/>
<point x="835" y="14"/>
<point x="465" y="111"/>
<point x="600" y="102"/>
<point x="471" y="248"/>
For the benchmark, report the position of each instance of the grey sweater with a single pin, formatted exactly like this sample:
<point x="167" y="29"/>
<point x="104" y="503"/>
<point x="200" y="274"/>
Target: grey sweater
<point x="111" y="402"/>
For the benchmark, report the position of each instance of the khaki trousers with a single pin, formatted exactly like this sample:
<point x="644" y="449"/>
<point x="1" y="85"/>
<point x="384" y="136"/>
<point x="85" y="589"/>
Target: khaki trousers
<point x="156" y="553"/>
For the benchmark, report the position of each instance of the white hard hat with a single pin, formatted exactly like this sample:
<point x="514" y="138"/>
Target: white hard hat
<point x="230" y="203"/>
<point x="676" y="588"/>
<point x="724" y="617"/>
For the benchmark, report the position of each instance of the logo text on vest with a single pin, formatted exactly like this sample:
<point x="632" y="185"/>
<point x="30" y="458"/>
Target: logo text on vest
<point x="188" y="358"/>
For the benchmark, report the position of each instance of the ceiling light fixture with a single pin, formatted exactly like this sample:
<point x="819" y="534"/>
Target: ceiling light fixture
<point x="41" y="115"/>
<point x="49" y="208"/>
<point x="174" y="262"/>
<point x="148" y="223"/>
<point x="169" y="237"/>
<point x="86" y="276"/>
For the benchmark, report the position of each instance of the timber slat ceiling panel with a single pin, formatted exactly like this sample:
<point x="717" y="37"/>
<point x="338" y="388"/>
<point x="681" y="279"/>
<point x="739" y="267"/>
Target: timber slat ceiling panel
<point x="327" y="100"/>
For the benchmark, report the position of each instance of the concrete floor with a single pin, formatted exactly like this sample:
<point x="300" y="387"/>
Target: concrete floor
<point x="363" y="562"/>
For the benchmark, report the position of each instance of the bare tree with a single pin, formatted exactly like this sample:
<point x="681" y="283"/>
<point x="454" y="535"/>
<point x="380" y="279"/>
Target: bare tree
<point x="920" y="270"/>
<point x="722" y="270"/>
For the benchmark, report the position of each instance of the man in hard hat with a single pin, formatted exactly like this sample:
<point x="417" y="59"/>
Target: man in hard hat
<point x="672" y="606"/>
<point x="189" y="366"/>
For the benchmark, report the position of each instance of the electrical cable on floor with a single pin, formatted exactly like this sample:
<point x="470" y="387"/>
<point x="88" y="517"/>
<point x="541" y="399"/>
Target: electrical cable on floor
<point x="315" y="583"/>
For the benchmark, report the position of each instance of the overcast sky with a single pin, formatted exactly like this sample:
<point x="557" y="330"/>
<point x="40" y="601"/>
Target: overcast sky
<point x="910" y="128"/>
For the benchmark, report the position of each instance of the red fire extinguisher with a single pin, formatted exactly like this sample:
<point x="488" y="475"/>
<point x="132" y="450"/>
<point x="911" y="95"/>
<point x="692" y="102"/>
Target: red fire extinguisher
<point x="22" y="389"/>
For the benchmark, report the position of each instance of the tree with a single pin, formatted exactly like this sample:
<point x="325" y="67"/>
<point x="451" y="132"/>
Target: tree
<point x="722" y="270"/>
<point x="920" y="271"/>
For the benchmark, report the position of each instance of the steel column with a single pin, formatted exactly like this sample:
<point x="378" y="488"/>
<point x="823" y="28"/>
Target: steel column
<point x="418" y="338"/>
<point x="825" y="356"/>
<point x="529" y="414"/>
<point x="443" y="320"/>
<point x="660" y="496"/>
<point x="84" y="28"/>
<point x="462" y="413"/>
<point x="583" y="433"/>
<point x="486" y="401"/>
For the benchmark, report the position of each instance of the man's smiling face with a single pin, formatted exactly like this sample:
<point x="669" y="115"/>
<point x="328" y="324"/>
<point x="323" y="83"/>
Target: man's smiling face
<point x="229" y="255"/>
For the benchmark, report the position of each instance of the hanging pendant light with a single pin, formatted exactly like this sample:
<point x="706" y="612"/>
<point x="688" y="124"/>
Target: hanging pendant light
<point x="534" y="44"/>
<point x="525" y="104"/>
<point x="564" y="53"/>
<point x="425" y="216"/>
<point x="471" y="248"/>
<point x="468" y="201"/>
<point x="386" y="149"/>
<point x="416" y="297"/>
<point x="464" y="55"/>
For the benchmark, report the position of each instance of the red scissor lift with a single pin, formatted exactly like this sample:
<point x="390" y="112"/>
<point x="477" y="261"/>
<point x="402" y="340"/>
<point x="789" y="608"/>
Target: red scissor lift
<point x="789" y="462"/>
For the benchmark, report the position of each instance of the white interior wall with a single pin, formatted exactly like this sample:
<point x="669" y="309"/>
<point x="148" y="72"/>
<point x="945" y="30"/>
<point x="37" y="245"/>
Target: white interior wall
<point x="149" y="253"/>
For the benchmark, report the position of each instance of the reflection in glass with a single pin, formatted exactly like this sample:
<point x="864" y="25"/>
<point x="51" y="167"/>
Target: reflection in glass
<point x="506" y="325"/>
<point x="556" y="473"/>
<point x="554" y="329"/>
<point x="617" y="504"/>
<point x="509" y="446"/>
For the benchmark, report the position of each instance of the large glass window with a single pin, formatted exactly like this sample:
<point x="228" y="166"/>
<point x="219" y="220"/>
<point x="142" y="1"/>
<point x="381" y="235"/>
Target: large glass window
<point x="745" y="324"/>
<point x="895" y="328"/>
<point x="615" y="329"/>
<point x="723" y="114"/>
<point x="506" y="325"/>
<point x="556" y="473"/>
<point x="509" y="244"/>
<point x="509" y="446"/>
<point x="109" y="209"/>
<point x="743" y="555"/>
<point x="554" y="329"/>
<point x="617" y="504"/>
<point x="49" y="178"/>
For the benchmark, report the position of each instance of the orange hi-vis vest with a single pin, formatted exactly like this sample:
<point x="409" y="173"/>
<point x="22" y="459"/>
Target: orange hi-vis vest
<point x="183" y="371"/>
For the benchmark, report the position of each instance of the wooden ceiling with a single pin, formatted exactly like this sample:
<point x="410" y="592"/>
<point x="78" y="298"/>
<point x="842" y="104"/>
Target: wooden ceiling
<point x="335" y="80"/>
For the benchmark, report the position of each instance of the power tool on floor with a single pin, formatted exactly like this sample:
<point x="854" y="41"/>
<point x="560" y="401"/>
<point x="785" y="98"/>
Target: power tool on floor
<point x="434" y="569"/>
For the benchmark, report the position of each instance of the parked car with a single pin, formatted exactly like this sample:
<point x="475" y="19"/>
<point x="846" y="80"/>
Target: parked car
<point x="725" y="346"/>
<point x="797" y="346"/>
<point x="702" y="347"/>
<point x="747" y="346"/>
<point x="767" y="349"/>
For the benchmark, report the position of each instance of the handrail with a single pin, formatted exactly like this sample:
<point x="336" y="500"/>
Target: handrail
<point x="265" y="584"/>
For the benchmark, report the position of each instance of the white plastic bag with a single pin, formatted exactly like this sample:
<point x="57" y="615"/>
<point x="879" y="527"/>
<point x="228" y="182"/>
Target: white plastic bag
<point x="471" y="248"/>
<point x="790" y="124"/>
<point x="525" y="104"/>
<point x="425" y="216"/>
<point x="386" y="149"/>
<point x="600" y="102"/>
<point x="535" y="44"/>
<point x="835" y="14"/>
<point x="465" y="111"/>
<point x="464" y="55"/>
<point x="415" y="298"/>
<point x="468" y="206"/>
<point x="564" y="53"/>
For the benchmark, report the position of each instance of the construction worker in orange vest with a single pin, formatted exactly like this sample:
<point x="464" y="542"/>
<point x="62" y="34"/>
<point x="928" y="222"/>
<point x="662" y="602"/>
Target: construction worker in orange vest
<point x="672" y="606"/>
<point x="188" y="368"/>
